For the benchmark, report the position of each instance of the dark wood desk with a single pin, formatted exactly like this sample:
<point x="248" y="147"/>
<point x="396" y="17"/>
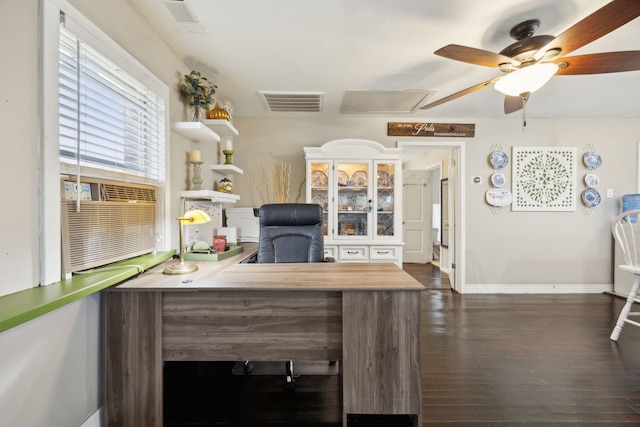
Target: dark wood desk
<point x="364" y="315"/>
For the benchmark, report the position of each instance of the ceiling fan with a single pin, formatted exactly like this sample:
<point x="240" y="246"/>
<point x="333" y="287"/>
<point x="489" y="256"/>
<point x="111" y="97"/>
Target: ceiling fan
<point x="532" y="60"/>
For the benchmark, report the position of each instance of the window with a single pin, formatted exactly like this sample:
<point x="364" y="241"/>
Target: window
<point x="107" y="118"/>
<point x="103" y="116"/>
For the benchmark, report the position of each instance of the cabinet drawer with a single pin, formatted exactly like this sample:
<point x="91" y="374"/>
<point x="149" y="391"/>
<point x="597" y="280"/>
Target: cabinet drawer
<point x="330" y="251"/>
<point x="384" y="252"/>
<point x="354" y="253"/>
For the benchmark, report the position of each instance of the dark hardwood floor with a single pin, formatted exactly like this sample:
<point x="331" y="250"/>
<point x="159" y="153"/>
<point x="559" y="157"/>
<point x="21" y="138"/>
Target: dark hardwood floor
<point x="487" y="360"/>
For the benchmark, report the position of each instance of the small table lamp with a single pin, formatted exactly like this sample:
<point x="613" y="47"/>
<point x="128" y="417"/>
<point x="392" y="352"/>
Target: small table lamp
<point x="195" y="216"/>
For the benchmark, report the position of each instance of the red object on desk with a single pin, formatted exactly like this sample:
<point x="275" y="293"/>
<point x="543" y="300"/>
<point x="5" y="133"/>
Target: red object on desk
<point x="219" y="243"/>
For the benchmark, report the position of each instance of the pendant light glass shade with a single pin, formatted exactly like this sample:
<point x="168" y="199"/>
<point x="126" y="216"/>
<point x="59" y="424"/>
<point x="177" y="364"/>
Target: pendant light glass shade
<point x="526" y="80"/>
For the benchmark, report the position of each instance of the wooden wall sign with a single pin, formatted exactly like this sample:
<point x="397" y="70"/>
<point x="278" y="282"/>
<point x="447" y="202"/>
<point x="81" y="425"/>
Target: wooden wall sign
<point x="432" y="129"/>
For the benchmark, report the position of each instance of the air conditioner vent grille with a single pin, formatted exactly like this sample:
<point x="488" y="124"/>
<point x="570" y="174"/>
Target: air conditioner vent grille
<point x="288" y="102"/>
<point x="125" y="193"/>
<point x="186" y="19"/>
<point x="101" y="233"/>
<point x="117" y="222"/>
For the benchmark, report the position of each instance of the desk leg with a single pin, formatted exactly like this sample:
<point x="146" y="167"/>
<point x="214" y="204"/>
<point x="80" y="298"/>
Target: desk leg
<point x="132" y="325"/>
<point x="381" y="353"/>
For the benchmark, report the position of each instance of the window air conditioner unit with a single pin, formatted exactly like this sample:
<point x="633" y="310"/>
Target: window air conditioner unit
<point x="113" y="221"/>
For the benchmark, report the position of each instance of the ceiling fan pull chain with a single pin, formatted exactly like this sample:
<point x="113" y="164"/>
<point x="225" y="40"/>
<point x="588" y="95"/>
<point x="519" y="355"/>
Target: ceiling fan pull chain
<point x="524" y="113"/>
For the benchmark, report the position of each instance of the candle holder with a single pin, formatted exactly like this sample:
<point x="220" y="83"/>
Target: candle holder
<point x="197" y="180"/>
<point x="227" y="155"/>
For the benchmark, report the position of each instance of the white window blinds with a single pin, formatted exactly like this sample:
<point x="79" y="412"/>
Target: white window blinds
<point x="108" y="119"/>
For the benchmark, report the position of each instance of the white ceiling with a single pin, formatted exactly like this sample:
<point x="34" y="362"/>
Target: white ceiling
<point x="335" y="46"/>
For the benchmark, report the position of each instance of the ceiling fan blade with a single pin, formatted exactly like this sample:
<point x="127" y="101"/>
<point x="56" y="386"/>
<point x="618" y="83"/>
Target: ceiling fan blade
<point x="461" y="93"/>
<point x="474" y="56"/>
<point x="599" y="63"/>
<point x="594" y="26"/>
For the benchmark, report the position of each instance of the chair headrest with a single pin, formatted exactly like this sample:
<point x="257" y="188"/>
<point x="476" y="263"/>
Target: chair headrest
<point x="287" y="214"/>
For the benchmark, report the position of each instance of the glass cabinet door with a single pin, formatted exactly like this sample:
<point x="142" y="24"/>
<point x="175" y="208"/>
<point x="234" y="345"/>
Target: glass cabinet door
<point x="384" y="199"/>
<point x="353" y="199"/>
<point x="320" y="190"/>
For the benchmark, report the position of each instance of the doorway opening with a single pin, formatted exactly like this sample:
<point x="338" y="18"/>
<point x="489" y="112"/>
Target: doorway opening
<point x="419" y="156"/>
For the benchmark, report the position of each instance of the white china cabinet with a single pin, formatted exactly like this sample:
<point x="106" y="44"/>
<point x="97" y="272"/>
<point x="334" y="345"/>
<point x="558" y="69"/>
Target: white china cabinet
<point x="358" y="184"/>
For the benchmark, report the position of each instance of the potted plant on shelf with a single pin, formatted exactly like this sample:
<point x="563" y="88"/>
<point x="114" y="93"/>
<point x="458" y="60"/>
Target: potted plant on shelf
<point x="198" y="91"/>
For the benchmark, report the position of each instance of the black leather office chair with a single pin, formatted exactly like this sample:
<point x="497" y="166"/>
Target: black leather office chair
<point x="290" y="232"/>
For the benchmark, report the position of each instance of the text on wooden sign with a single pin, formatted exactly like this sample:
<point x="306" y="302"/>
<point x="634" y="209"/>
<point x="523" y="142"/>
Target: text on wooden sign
<point x="431" y="129"/>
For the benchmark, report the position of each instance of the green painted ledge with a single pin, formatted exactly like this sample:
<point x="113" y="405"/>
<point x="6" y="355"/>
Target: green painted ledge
<point x="20" y="307"/>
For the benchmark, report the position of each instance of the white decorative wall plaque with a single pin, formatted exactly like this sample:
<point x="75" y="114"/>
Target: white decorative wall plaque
<point x="544" y="179"/>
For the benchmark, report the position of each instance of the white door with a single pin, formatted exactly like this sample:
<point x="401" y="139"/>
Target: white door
<point x="447" y="247"/>
<point x="417" y="222"/>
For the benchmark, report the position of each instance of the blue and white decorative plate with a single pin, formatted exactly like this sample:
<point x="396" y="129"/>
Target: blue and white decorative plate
<point x="319" y="178"/>
<point x="320" y="199"/>
<point x="497" y="179"/>
<point x="343" y="201"/>
<point x="499" y="197"/>
<point x="592" y="180"/>
<point x="591" y="198"/>
<point x="592" y="160"/>
<point x="384" y="180"/>
<point x="498" y="159"/>
<point x="360" y="178"/>
<point x="342" y="178"/>
<point x="359" y="202"/>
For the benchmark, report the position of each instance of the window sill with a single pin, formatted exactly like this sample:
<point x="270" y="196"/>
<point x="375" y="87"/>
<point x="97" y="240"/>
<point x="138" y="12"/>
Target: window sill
<point x="20" y="307"/>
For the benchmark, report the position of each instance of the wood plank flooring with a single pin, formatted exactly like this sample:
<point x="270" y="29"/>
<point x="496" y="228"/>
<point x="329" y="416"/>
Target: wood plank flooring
<point x="487" y="360"/>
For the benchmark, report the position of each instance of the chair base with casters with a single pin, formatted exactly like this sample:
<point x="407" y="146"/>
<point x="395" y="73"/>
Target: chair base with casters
<point x="289" y="233"/>
<point x="625" y="229"/>
<point x="289" y="381"/>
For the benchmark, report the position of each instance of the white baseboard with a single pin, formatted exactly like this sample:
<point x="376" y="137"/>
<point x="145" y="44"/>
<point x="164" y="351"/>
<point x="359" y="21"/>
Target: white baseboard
<point x="94" y="420"/>
<point x="552" y="288"/>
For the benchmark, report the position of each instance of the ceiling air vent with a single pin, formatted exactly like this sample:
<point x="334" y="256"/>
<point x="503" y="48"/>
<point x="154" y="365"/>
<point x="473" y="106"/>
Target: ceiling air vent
<point x="293" y="102"/>
<point x="184" y="16"/>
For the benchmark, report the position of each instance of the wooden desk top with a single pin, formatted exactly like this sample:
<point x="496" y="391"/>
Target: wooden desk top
<point x="228" y="274"/>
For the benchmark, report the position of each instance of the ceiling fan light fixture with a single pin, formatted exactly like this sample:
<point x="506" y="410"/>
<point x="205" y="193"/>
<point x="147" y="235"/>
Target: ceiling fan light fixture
<point x="527" y="79"/>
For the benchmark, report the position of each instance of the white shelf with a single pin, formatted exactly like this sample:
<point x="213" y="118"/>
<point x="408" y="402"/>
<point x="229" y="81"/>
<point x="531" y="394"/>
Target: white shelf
<point x="221" y="127"/>
<point x="195" y="131"/>
<point x="214" y="196"/>
<point x="226" y="169"/>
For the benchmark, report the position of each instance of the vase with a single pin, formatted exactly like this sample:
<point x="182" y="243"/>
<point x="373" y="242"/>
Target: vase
<point x="196" y="113"/>
<point x="219" y="243"/>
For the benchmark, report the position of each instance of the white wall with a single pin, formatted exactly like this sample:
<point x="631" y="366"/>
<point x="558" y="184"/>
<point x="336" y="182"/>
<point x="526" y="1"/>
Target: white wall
<point x="505" y="252"/>
<point x="527" y="249"/>
<point x="52" y="366"/>
<point x="18" y="164"/>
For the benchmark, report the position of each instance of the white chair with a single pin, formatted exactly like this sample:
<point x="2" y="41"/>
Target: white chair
<point x="626" y="231"/>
